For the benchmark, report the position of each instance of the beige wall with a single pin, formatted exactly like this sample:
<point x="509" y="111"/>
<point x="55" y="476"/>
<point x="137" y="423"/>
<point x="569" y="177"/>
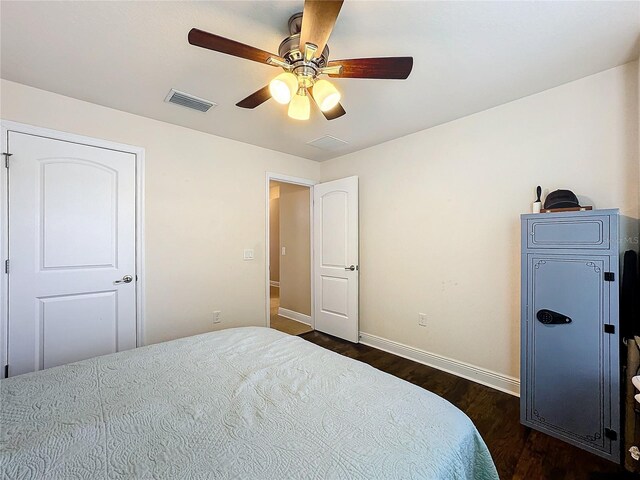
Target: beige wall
<point x="274" y="232"/>
<point x="295" y="265"/>
<point x="439" y="226"/>
<point x="205" y="202"/>
<point x="439" y="211"/>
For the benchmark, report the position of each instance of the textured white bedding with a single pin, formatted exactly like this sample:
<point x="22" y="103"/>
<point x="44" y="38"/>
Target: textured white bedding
<point x="245" y="403"/>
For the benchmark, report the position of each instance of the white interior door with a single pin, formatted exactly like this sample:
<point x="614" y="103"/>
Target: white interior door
<point x="71" y="250"/>
<point x="335" y="217"/>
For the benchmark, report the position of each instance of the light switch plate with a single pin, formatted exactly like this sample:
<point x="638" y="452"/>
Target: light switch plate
<point x="248" y="253"/>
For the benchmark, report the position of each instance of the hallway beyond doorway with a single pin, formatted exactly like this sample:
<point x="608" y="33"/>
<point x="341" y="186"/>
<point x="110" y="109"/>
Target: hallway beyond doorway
<point x="283" y="324"/>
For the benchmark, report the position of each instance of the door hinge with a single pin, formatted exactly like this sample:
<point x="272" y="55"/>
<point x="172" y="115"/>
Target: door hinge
<point x="6" y="371"/>
<point x="6" y="266"/>
<point x="608" y="328"/>
<point x="610" y="434"/>
<point x="609" y="277"/>
<point x="6" y="159"/>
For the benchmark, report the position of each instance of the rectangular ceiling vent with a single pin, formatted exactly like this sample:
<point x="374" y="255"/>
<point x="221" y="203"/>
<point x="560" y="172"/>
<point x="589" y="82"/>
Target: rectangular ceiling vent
<point x="189" y="101"/>
<point x="327" y="142"/>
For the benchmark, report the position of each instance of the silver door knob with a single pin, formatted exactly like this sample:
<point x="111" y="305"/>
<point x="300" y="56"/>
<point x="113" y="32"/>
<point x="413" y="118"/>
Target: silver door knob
<point x="352" y="268"/>
<point x="125" y="279"/>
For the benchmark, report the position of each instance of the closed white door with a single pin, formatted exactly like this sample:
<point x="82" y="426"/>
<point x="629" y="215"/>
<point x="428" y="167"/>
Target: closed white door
<point x="72" y="274"/>
<point x="335" y="216"/>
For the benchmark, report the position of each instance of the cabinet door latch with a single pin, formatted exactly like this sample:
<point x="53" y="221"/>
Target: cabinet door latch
<point x="608" y="328"/>
<point x="610" y="434"/>
<point x="609" y="277"/>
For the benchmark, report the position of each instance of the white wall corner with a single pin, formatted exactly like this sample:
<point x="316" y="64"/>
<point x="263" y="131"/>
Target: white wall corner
<point x="495" y="380"/>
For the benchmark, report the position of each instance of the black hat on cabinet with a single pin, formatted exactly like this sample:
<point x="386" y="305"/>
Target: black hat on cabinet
<point x="561" y="199"/>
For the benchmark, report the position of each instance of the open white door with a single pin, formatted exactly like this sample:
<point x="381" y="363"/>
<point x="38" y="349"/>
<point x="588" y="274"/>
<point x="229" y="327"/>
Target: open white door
<point x="335" y="227"/>
<point x="71" y="250"/>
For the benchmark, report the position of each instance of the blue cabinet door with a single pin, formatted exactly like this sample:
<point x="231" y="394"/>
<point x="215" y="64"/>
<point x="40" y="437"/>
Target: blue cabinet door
<point x="590" y="233"/>
<point x="568" y="365"/>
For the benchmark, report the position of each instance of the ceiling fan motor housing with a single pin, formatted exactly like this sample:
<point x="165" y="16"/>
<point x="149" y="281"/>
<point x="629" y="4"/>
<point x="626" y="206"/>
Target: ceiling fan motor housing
<point x="290" y="50"/>
<point x="295" y="23"/>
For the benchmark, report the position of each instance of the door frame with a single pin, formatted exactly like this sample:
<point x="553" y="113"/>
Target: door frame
<point x="278" y="177"/>
<point x="7" y="126"/>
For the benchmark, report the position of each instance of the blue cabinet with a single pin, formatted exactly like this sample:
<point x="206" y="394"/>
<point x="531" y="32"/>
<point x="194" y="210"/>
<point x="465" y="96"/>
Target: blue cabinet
<point x="570" y="366"/>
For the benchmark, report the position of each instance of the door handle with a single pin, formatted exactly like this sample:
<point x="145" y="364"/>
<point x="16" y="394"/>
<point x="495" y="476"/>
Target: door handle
<point x="351" y="267"/>
<point x="125" y="279"/>
<point x="549" y="317"/>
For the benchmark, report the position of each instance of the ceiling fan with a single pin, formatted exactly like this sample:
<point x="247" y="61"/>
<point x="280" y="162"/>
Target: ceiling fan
<point x="304" y="57"/>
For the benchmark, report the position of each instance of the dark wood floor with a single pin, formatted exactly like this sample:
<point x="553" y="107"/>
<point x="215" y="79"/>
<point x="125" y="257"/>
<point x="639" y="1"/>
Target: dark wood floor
<point x="518" y="452"/>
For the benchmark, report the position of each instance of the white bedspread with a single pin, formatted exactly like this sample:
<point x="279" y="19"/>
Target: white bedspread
<point x="245" y="403"/>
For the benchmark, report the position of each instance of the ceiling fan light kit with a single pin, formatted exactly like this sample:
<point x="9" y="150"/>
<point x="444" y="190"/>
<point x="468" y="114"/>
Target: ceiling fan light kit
<point x="300" y="106"/>
<point x="283" y="87"/>
<point x="325" y="95"/>
<point x="304" y="56"/>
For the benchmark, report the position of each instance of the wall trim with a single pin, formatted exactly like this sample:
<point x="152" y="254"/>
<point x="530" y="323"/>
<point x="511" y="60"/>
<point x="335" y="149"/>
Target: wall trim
<point x="492" y="379"/>
<point x="5" y="127"/>
<point x="291" y="315"/>
<point x="274" y="284"/>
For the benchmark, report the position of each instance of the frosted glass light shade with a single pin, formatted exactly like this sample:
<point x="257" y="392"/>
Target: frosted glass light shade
<point x="325" y="95"/>
<point x="283" y="87"/>
<point x="300" y="107"/>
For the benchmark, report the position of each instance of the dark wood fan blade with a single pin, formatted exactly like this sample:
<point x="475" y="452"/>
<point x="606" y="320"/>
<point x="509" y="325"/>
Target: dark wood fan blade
<point x="255" y="99"/>
<point x="332" y="114"/>
<point x="230" y="47"/>
<point x="318" y="19"/>
<point x="397" y="68"/>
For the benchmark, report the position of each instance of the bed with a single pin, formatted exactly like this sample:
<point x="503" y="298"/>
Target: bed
<point x="245" y="403"/>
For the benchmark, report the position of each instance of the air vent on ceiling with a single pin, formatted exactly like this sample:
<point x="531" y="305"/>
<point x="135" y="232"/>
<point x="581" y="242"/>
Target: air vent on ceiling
<point x="327" y="142"/>
<point x="189" y="101"/>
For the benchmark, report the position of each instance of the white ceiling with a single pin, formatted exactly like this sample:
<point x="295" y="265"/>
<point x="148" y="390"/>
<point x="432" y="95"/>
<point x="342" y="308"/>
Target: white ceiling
<point x="468" y="56"/>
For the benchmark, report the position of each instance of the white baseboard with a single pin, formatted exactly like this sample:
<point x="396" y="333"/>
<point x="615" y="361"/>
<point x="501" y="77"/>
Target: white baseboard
<point x="274" y="284"/>
<point x="298" y="317"/>
<point x="501" y="382"/>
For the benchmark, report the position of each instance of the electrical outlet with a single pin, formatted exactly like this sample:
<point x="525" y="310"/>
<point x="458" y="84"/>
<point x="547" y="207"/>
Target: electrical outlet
<point x="248" y="254"/>
<point x="422" y="319"/>
<point x="217" y="316"/>
<point x="284" y="250"/>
